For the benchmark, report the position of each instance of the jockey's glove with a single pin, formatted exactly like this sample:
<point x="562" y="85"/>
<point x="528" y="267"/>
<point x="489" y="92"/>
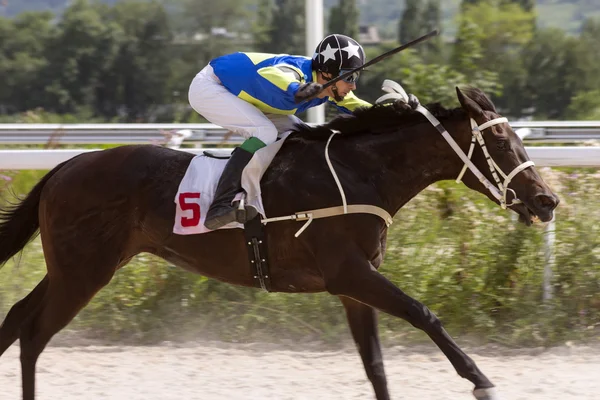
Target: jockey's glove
<point x="412" y="104"/>
<point x="413" y="101"/>
<point x="307" y="91"/>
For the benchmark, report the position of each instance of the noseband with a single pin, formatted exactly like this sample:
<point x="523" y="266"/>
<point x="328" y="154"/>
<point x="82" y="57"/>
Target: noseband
<point x="396" y="92"/>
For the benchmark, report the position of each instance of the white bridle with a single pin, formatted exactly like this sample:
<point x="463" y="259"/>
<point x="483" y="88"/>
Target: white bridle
<point x="396" y="92"/>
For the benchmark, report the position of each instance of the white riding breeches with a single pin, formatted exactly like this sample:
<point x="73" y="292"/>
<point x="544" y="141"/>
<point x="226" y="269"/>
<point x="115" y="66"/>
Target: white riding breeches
<point x="209" y="98"/>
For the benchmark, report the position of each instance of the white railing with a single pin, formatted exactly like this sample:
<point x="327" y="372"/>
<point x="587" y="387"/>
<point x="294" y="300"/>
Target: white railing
<point x="209" y="134"/>
<point x="542" y="156"/>
<point x="72" y="134"/>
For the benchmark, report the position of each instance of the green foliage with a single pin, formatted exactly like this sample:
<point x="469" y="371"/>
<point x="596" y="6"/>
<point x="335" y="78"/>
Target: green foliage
<point x="498" y="30"/>
<point x="559" y="67"/>
<point x="261" y="28"/>
<point x="287" y="27"/>
<point x="141" y="70"/>
<point x="23" y="48"/>
<point x="410" y="26"/>
<point x="79" y="57"/>
<point x="429" y="82"/>
<point x="343" y="18"/>
<point x="134" y="61"/>
<point x="585" y="106"/>
<point x="478" y="269"/>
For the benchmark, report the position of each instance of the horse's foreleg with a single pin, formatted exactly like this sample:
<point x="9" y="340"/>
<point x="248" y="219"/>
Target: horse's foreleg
<point x="362" y="320"/>
<point x="360" y="281"/>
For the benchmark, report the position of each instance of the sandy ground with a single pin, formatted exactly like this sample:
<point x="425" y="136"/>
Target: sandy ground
<point x="215" y="370"/>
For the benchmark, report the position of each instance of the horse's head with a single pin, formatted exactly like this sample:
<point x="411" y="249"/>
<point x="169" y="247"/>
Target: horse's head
<point x="506" y="163"/>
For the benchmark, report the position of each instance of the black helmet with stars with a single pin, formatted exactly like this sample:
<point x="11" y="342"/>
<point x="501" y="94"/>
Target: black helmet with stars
<point x="338" y="52"/>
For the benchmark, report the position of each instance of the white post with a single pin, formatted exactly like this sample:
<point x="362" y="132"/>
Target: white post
<point x="314" y="34"/>
<point x="549" y="238"/>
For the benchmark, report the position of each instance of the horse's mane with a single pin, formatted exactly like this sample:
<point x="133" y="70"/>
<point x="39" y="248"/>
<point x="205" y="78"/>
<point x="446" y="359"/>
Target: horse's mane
<point x="382" y="118"/>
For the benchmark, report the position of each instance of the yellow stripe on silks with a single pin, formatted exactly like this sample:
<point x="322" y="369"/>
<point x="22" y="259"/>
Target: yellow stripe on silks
<point x="263" y="106"/>
<point x="257" y="58"/>
<point x="351" y="102"/>
<point x="279" y="78"/>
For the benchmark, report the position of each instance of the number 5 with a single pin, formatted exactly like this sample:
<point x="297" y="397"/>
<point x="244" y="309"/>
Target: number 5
<point x="191" y="202"/>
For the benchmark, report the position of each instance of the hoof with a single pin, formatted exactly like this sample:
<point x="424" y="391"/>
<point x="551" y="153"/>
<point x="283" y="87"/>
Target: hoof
<point x="486" y="394"/>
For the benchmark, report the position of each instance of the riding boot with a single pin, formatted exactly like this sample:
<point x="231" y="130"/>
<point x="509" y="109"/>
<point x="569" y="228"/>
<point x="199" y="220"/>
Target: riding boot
<point x="222" y="212"/>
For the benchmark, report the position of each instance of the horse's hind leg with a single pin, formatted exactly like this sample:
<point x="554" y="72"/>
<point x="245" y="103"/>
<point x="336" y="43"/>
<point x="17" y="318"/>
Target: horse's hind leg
<point x="18" y="314"/>
<point x="362" y="320"/>
<point x="63" y="299"/>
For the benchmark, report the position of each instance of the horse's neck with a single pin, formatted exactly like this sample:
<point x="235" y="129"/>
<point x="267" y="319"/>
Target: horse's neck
<point x="385" y="169"/>
<point x="406" y="162"/>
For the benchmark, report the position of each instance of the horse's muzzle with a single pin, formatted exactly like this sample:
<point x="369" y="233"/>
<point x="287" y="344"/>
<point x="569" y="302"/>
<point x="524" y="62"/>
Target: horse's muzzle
<point x="544" y="205"/>
<point x="541" y="206"/>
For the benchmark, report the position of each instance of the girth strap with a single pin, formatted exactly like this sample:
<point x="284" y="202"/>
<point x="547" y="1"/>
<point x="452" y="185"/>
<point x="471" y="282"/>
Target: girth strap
<point x="308" y="216"/>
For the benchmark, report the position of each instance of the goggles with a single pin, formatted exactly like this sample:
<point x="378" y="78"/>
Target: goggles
<point x="352" y="78"/>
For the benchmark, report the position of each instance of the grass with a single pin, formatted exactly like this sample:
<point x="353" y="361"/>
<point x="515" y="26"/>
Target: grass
<point x="478" y="269"/>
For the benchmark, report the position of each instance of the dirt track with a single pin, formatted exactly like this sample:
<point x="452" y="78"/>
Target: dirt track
<point x="214" y="370"/>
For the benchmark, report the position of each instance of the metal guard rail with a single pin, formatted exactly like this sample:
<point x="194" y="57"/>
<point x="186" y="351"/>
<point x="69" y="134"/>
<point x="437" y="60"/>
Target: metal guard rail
<point x="205" y="133"/>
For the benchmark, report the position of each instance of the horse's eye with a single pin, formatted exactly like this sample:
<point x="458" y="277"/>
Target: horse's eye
<point x="502" y="144"/>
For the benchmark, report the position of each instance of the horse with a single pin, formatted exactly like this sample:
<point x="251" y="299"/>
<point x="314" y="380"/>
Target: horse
<point x="98" y="210"/>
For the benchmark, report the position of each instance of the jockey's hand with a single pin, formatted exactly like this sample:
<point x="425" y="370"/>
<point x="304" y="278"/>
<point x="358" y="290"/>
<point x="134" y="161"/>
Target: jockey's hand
<point x="413" y="103"/>
<point x="307" y="91"/>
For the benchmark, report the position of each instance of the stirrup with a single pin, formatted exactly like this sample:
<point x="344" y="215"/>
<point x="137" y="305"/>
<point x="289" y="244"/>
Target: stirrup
<point x="244" y="212"/>
<point x="240" y="212"/>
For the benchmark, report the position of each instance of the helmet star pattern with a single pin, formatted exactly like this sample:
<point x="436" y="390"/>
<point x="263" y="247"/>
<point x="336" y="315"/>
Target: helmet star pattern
<point x="352" y="50"/>
<point x="336" y="53"/>
<point x="328" y="53"/>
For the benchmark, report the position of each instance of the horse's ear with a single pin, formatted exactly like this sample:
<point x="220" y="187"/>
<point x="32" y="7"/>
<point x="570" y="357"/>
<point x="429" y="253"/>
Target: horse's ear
<point x="468" y="105"/>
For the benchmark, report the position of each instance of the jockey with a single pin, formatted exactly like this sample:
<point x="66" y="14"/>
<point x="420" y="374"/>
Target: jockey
<point x="257" y="95"/>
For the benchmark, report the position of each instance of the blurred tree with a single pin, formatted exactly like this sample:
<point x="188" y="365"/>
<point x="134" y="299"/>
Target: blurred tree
<point x="429" y="82"/>
<point x="23" y="43"/>
<point x="138" y="79"/>
<point x="79" y="56"/>
<point x="211" y="28"/>
<point x="431" y="19"/>
<point x="204" y="15"/>
<point x="467" y="3"/>
<point x="343" y="18"/>
<point x="546" y="61"/>
<point x="419" y="18"/>
<point x="499" y="30"/>
<point x="262" y="26"/>
<point x="287" y="27"/>
<point x="563" y="72"/>
<point x="587" y="53"/>
<point x="410" y="24"/>
<point x="527" y="5"/>
<point x="468" y="50"/>
<point x="490" y="37"/>
<point x="585" y="105"/>
<point x="205" y="29"/>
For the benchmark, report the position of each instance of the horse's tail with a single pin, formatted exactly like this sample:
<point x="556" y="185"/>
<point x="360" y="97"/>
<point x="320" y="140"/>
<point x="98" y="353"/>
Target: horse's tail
<point x="20" y="220"/>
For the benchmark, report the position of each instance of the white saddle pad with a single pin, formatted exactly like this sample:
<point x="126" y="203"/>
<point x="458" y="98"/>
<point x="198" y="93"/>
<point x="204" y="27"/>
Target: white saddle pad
<point x="198" y="186"/>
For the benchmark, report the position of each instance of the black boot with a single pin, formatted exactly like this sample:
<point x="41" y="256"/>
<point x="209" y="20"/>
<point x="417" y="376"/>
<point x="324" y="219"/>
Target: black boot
<point x="221" y="211"/>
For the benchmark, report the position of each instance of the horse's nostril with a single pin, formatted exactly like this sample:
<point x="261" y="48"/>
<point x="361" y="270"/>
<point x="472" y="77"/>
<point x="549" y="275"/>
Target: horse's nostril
<point x="547" y="202"/>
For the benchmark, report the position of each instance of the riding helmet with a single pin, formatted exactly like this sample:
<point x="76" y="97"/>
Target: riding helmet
<point x="338" y="52"/>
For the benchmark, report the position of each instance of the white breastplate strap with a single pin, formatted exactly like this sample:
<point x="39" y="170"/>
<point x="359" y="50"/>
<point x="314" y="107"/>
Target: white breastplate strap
<point x="308" y="216"/>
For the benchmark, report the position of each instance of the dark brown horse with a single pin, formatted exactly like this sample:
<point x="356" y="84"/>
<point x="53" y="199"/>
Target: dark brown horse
<point x="98" y="210"/>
